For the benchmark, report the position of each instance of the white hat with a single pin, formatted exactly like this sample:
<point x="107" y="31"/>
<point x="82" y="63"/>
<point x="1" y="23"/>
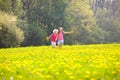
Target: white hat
<point x="55" y="30"/>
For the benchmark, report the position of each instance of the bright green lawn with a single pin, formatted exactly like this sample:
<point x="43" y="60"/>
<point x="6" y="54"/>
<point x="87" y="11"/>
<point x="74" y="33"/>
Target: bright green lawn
<point x="80" y="62"/>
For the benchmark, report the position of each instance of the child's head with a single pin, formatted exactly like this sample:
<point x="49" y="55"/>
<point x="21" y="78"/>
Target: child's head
<point x="55" y="31"/>
<point x="60" y="28"/>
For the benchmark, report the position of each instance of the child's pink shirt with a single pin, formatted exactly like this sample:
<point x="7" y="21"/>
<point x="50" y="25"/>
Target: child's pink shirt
<point x="60" y="36"/>
<point x="53" y="37"/>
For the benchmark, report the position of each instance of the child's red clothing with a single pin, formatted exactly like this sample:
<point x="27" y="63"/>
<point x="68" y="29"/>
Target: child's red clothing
<point x="53" y="37"/>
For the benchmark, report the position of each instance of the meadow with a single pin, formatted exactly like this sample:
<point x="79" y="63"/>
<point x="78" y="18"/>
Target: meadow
<point x="77" y="62"/>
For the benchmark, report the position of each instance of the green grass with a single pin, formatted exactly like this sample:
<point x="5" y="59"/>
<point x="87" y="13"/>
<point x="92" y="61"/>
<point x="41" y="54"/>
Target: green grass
<point x="78" y="62"/>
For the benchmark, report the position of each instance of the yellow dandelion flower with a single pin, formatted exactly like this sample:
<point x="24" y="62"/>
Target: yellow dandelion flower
<point x="57" y="73"/>
<point x="91" y="65"/>
<point x="88" y="72"/>
<point x="67" y="72"/>
<point x="71" y="77"/>
<point x="95" y="72"/>
<point x="79" y="66"/>
<point x="47" y="38"/>
<point x="41" y="76"/>
<point x="118" y="70"/>
<point x="114" y="72"/>
<point x="87" y="76"/>
<point x="20" y="77"/>
<point x="92" y="79"/>
<point x="2" y="73"/>
<point x="48" y="76"/>
<point x="78" y="72"/>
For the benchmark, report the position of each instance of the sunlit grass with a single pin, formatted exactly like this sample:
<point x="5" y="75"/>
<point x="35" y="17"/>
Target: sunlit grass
<point x="80" y="62"/>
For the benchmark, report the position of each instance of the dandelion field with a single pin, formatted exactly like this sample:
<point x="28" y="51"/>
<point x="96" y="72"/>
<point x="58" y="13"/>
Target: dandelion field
<point x="78" y="62"/>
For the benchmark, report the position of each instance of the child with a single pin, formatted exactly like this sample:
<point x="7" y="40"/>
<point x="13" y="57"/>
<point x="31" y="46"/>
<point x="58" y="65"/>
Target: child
<point x="60" y="36"/>
<point x="53" y="37"/>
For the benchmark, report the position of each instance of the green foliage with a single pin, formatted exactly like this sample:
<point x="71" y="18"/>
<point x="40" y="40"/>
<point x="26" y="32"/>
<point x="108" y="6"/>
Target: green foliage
<point x="10" y="34"/>
<point x="80" y="16"/>
<point x="107" y="16"/>
<point x="50" y="14"/>
<point x="11" y="6"/>
<point x="93" y="21"/>
<point x="5" y="5"/>
<point x="44" y="16"/>
<point x="34" y="34"/>
<point x="116" y="21"/>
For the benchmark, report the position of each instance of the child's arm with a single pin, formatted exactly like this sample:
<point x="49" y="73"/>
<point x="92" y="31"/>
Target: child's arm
<point x="67" y="32"/>
<point x="56" y="38"/>
<point x="50" y="36"/>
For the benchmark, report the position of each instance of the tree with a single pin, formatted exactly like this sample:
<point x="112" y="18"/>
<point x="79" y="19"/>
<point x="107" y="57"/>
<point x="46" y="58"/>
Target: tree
<point x="10" y="34"/>
<point x="42" y="15"/>
<point x="116" y="20"/>
<point x="5" y="5"/>
<point x="107" y="16"/>
<point x="80" y="16"/>
<point x="34" y="35"/>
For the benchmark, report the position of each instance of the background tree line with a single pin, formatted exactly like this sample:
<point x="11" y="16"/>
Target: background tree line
<point x="28" y="22"/>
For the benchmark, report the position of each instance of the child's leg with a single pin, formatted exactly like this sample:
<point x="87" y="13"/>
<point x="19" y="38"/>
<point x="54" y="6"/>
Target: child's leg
<point x="60" y="46"/>
<point x="60" y="43"/>
<point x="53" y="44"/>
